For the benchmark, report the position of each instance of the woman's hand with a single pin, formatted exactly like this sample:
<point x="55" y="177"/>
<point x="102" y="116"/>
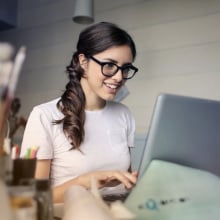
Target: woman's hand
<point x="108" y="178"/>
<point x="103" y="179"/>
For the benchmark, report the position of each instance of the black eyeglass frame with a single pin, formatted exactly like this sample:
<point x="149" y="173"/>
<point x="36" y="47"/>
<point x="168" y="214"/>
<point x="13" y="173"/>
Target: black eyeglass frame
<point x="118" y="68"/>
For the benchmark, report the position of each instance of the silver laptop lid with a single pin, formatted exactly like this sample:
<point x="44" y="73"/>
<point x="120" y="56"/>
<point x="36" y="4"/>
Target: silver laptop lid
<point x="184" y="130"/>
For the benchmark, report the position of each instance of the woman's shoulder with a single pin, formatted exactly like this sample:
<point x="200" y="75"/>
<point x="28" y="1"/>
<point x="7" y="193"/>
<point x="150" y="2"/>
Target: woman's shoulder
<point x="49" y="104"/>
<point x="48" y="108"/>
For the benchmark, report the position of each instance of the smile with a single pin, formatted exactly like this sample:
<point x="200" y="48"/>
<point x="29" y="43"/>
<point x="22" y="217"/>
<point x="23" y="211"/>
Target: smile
<point x="112" y="86"/>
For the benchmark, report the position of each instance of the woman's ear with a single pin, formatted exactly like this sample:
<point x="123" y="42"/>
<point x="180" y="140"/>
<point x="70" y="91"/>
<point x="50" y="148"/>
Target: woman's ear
<point x="83" y="61"/>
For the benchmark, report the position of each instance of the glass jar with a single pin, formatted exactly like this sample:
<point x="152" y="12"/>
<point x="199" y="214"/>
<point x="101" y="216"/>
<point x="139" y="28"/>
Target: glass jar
<point x="23" y="203"/>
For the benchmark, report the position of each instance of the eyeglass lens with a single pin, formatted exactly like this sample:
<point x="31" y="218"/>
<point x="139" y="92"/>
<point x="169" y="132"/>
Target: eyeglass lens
<point x="110" y="69"/>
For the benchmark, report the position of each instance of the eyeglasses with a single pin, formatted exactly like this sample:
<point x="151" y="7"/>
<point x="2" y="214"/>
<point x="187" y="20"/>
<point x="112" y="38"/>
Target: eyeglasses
<point x="109" y="69"/>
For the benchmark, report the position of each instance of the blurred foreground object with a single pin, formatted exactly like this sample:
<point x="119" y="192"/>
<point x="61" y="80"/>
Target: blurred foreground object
<point x="9" y="73"/>
<point x="15" y="121"/>
<point x="82" y="204"/>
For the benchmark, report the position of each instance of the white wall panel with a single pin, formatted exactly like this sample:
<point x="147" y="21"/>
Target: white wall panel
<point x="152" y="12"/>
<point x="45" y="36"/>
<point x="144" y="94"/>
<point x="190" y="32"/>
<point x="179" y="61"/>
<point x="178" y="46"/>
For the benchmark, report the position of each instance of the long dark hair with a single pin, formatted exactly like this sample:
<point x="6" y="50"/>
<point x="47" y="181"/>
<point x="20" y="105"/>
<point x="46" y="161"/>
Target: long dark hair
<point x="92" y="40"/>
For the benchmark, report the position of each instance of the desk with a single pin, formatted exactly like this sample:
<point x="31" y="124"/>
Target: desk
<point x="81" y="204"/>
<point x="58" y="210"/>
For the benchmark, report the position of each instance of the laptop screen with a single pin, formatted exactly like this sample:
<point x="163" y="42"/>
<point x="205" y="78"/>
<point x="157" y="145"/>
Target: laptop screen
<point x="184" y="130"/>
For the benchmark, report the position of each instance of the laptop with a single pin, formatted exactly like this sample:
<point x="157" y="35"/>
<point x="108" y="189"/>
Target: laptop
<point x="183" y="130"/>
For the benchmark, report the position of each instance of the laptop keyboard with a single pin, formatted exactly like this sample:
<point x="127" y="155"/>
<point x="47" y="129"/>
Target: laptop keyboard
<point x="114" y="197"/>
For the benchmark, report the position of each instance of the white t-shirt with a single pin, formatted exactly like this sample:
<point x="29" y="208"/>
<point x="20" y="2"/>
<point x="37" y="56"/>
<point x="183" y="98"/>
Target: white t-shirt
<point x="108" y="135"/>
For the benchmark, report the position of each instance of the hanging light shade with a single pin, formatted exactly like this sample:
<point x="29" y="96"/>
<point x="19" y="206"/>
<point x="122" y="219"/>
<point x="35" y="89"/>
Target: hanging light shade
<point x="83" y="12"/>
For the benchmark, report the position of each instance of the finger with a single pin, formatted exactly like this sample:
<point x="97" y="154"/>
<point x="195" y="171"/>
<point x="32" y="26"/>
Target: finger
<point x="124" y="177"/>
<point x="131" y="177"/>
<point x="135" y="173"/>
<point x="102" y="179"/>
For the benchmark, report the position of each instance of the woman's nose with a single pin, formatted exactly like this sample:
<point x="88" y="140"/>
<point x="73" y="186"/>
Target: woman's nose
<point x="118" y="76"/>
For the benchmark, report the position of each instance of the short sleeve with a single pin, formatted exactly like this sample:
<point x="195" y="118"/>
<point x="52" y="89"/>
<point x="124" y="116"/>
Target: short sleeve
<point x="38" y="133"/>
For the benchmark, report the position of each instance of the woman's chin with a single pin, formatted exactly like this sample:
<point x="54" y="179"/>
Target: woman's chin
<point x="110" y="97"/>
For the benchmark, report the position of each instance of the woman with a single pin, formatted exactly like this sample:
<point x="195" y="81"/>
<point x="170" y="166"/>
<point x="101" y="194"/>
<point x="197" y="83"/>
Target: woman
<point x="85" y="133"/>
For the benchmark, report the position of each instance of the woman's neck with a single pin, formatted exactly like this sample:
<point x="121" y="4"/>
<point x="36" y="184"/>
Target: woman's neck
<point x="93" y="101"/>
<point x="95" y="105"/>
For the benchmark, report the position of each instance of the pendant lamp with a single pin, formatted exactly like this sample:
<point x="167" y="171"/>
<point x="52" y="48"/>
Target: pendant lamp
<point x="84" y="11"/>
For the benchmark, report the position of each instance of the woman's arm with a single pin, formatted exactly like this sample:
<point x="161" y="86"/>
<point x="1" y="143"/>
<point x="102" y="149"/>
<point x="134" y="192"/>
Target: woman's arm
<point x="103" y="178"/>
<point x="42" y="169"/>
<point x="43" y="172"/>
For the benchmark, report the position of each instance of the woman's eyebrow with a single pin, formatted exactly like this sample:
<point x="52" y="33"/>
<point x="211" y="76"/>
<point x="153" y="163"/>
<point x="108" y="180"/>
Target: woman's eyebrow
<point x="110" y="60"/>
<point x="115" y="61"/>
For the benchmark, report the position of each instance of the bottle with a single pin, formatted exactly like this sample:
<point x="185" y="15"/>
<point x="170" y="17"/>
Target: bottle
<point x="5" y="208"/>
<point x="44" y="199"/>
<point x="5" y="177"/>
